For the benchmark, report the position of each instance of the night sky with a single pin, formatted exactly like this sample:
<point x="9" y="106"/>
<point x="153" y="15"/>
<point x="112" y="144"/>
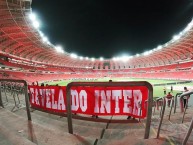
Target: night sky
<point x="108" y="28"/>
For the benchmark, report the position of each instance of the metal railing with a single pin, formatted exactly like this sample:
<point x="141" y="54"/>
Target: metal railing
<point x="185" y="107"/>
<point x="111" y="84"/>
<point x="172" y="104"/>
<point x="191" y="124"/>
<point x="176" y="101"/>
<point x="159" y="102"/>
<point x="162" y="115"/>
<point x="25" y="90"/>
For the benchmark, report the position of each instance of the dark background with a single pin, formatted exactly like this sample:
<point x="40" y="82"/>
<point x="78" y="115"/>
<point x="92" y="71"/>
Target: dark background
<point x="109" y="28"/>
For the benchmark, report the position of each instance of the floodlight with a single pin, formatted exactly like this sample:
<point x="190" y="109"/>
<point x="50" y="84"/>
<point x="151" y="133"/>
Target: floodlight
<point x="176" y="37"/>
<point x="124" y="58"/>
<point x="41" y="34"/>
<point x="86" y="58"/>
<point x="114" y="58"/>
<point x="101" y="58"/>
<point x="45" y="39"/>
<point x="36" y="24"/>
<point x="146" y="53"/>
<point x="92" y="59"/>
<point x="81" y="58"/>
<point x="73" y="55"/>
<point x="159" y="47"/>
<point x="32" y="16"/>
<point x="59" y="49"/>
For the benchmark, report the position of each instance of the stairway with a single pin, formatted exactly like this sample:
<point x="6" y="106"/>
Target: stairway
<point x="49" y="129"/>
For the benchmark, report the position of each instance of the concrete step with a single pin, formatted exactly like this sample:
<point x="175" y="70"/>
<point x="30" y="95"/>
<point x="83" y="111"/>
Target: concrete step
<point x="134" y="141"/>
<point x="125" y="126"/>
<point x="8" y="137"/>
<point x="41" y="135"/>
<point x="180" y="137"/>
<point x="75" y="121"/>
<point x="62" y="126"/>
<point x="120" y="134"/>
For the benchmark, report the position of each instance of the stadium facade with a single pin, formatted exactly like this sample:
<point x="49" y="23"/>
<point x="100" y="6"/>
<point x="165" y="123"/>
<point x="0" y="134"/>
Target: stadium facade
<point x="23" y="49"/>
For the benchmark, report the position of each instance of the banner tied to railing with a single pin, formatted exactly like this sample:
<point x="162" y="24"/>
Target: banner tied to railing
<point x="131" y="101"/>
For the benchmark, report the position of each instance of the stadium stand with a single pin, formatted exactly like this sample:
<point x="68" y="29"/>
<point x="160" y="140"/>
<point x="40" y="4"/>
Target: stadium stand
<point x="24" y="56"/>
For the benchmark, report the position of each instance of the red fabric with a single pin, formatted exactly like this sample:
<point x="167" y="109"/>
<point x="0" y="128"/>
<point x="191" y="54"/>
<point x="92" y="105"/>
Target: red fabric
<point x="92" y="100"/>
<point x="169" y="96"/>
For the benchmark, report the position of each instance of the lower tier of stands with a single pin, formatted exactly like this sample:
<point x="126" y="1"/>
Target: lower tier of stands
<point x="32" y="77"/>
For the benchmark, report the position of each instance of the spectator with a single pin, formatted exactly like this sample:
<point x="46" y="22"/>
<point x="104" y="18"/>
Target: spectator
<point x="185" y="98"/>
<point x="171" y="89"/>
<point x="169" y="97"/>
<point x="164" y="90"/>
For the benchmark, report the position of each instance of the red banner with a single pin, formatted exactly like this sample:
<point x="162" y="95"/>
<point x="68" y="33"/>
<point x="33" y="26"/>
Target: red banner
<point x="92" y="100"/>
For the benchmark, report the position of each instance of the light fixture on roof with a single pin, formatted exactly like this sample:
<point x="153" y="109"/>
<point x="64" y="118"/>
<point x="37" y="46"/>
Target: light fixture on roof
<point x="190" y="25"/>
<point x="124" y="58"/>
<point x="59" y="49"/>
<point x="114" y="58"/>
<point x="45" y="39"/>
<point x="146" y="53"/>
<point x="159" y="47"/>
<point x="73" y="55"/>
<point x="176" y="37"/>
<point x="32" y="16"/>
<point x="86" y="58"/>
<point x="92" y="59"/>
<point x="41" y="34"/>
<point x="101" y="58"/>
<point x="36" y="24"/>
<point x="81" y="58"/>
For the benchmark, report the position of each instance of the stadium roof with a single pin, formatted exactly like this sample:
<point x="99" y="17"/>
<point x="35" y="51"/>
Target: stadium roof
<point x="20" y="38"/>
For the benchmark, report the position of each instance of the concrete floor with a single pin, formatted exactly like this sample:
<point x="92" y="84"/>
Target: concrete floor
<point x="49" y="129"/>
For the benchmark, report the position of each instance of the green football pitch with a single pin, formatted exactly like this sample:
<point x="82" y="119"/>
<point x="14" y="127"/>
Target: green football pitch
<point x="157" y="90"/>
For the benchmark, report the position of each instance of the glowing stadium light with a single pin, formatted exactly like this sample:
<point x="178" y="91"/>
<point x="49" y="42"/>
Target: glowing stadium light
<point x="45" y="39"/>
<point x="176" y="37"/>
<point x="150" y="51"/>
<point x="101" y="58"/>
<point x="41" y="34"/>
<point x="92" y="59"/>
<point x="32" y="16"/>
<point x="190" y="25"/>
<point x="124" y="58"/>
<point x="86" y="58"/>
<point x="137" y="55"/>
<point x="48" y="42"/>
<point x="36" y="24"/>
<point x="81" y="58"/>
<point x="146" y="53"/>
<point x="114" y="58"/>
<point x="166" y="44"/>
<point x="73" y="55"/>
<point x="159" y="47"/>
<point x="59" y="49"/>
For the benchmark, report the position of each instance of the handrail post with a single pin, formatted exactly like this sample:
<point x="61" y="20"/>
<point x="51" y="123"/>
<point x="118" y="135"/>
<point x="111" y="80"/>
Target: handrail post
<point x="149" y="112"/>
<point x="27" y="101"/>
<point x="171" y="108"/>
<point x="188" y="133"/>
<point x="184" y="112"/>
<point x="69" y="111"/>
<point x="162" y="115"/>
<point x="26" y="94"/>
<point x="111" y="84"/>
<point x="175" y="103"/>
<point x="1" y="101"/>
